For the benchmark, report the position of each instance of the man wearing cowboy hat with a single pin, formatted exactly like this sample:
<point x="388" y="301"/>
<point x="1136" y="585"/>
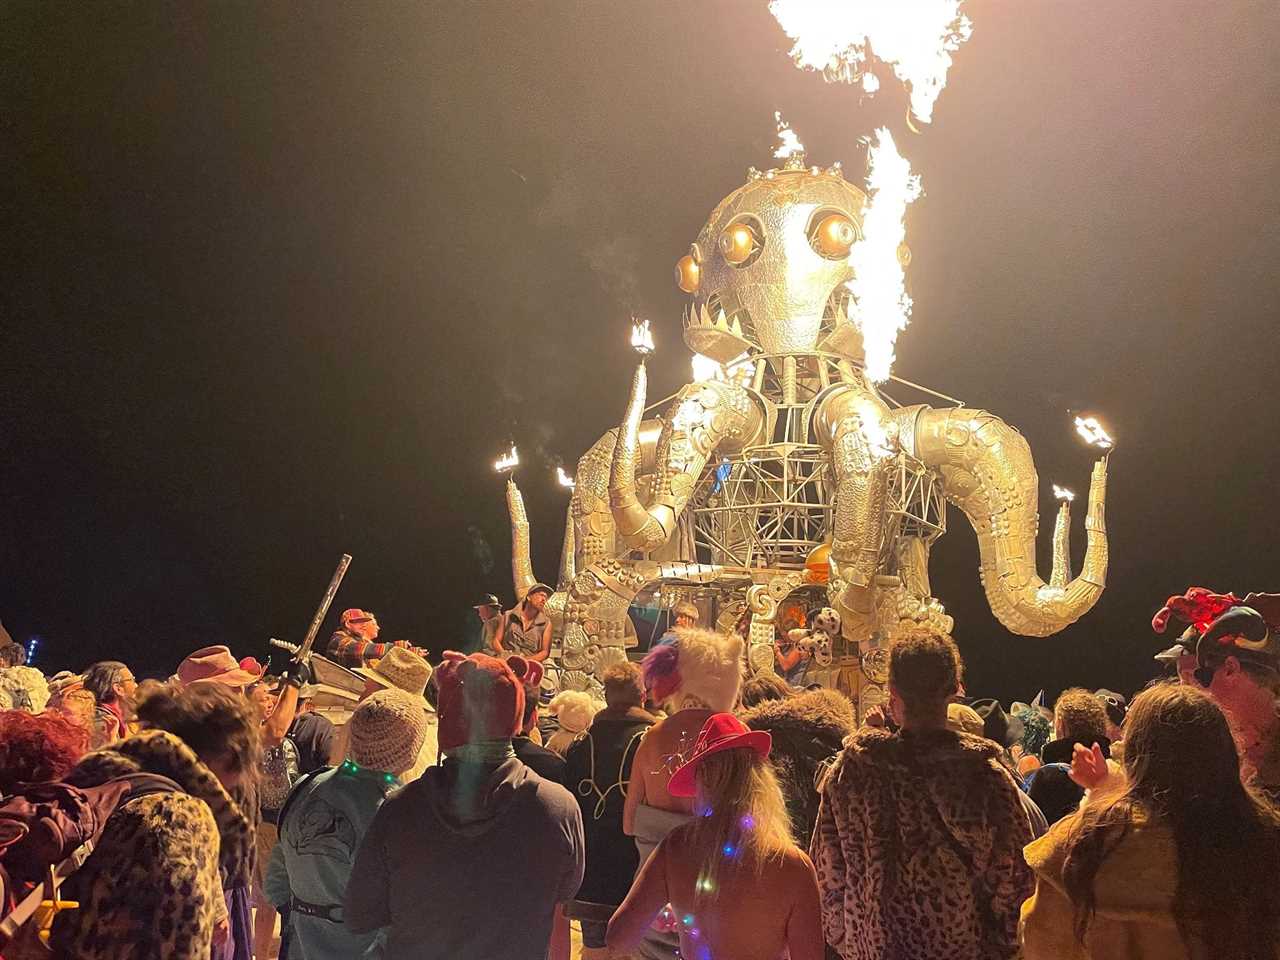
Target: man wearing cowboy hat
<point x="480" y="631"/>
<point x="525" y="629"/>
<point x="353" y="643"/>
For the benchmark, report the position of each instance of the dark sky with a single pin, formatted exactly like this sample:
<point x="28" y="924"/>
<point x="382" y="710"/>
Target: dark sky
<point x="283" y="279"/>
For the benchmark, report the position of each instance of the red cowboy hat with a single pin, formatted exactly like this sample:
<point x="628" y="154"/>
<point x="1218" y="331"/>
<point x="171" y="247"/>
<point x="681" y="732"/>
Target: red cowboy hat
<point x="722" y="731"/>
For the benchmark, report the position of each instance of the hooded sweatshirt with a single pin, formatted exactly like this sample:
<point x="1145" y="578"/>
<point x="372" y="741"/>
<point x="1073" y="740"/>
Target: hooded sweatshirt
<point x="918" y="849"/>
<point x="468" y="861"/>
<point x="1134" y="892"/>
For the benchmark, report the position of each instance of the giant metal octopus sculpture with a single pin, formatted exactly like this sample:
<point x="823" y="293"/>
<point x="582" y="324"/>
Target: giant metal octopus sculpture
<point x="787" y="474"/>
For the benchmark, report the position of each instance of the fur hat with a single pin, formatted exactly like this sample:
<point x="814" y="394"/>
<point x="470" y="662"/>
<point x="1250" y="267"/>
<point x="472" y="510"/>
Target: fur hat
<point x="387" y="731"/>
<point x="574" y="709"/>
<point x="480" y="699"/>
<point x="698" y="668"/>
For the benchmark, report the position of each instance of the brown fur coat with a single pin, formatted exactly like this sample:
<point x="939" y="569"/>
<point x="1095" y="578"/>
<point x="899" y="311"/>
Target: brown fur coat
<point x="807" y="732"/>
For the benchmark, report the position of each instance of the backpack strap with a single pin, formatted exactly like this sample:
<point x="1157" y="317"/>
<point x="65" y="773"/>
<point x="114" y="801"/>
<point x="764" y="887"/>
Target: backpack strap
<point x="293" y="795"/>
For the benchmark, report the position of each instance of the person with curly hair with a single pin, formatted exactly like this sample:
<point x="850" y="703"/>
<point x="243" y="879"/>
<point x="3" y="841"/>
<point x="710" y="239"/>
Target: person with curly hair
<point x="38" y="746"/>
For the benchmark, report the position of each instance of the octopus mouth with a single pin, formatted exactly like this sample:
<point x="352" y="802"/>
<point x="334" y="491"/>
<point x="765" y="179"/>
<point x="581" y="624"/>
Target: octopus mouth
<point x="722" y="314"/>
<point x="836" y="309"/>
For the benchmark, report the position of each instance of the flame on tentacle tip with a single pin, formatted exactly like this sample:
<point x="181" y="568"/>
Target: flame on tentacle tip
<point x="881" y="306"/>
<point x="641" y="337"/>
<point x="1062" y="493"/>
<point x="704" y="368"/>
<point x="788" y="143"/>
<point x="564" y="479"/>
<point x="508" y="462"/>
<point x="916" y="38"/>
<point x="1094" y="433"/>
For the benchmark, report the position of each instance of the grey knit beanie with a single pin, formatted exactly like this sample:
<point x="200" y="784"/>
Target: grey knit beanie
<point x="387" y="731"/>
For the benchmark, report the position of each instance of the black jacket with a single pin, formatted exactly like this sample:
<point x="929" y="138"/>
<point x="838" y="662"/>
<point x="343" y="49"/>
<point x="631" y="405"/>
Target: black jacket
<point x="597" y="772"/>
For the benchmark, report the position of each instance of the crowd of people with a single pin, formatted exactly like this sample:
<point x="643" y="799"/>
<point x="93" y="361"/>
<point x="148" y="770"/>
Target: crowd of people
<point x="700" y="812"/>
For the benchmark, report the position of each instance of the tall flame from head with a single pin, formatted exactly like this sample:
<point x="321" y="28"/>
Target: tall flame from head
<point x="881" y="305"/>
<point x="1062" y="493"/>
<point x="788" y="143"/>
<point x="916" y="37"/>
<point x="564" y="479"/>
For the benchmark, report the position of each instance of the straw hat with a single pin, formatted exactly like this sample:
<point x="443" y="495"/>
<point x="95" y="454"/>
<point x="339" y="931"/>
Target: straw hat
<point x="387" y="732"/>
<point x="722" y="731"/>
<point x="402" y="669"/>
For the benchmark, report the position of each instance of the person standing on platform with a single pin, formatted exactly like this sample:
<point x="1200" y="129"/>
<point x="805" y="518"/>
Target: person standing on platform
<point x="481" y="628"/>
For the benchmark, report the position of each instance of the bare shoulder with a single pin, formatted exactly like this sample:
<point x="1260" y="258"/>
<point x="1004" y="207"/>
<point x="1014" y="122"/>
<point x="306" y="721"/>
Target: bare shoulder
<point x="797" y="863"/>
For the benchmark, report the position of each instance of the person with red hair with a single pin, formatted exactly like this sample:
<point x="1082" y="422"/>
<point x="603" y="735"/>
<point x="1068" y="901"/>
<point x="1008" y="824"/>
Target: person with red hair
<point x="38" y="746"/>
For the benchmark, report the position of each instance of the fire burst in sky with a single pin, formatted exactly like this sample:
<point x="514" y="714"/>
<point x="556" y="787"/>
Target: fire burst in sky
<point x="915" y="37"/>
<point x="788" y="142"/>
<point x="881" y="305"/>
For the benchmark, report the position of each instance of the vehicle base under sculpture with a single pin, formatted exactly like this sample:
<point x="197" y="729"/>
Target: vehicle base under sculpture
<point x="787" y="481"/>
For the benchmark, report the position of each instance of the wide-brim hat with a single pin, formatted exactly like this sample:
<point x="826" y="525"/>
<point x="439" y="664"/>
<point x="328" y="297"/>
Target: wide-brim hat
<point x="539" y="588"/>
<point x="402" y="669"/>
<point x="215" y="664"/>
<point x="998" y="725"/>
<point x="721" y="732"/>
<point x="488" y="600"/>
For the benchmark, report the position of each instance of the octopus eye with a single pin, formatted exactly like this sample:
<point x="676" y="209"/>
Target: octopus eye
<point x="688" y="274"/>
<point x="741" y="243"/>
<point x="833" y="235"/>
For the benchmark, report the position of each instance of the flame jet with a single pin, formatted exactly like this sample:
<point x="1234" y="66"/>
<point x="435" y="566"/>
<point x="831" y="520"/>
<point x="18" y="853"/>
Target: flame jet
<point x="787" y="476"/>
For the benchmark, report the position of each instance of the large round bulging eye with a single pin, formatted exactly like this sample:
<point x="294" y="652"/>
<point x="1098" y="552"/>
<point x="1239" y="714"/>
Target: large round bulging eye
<point x="834" y="236"/>
<point x="688" y="274"/>
<point x="739" y="243"/>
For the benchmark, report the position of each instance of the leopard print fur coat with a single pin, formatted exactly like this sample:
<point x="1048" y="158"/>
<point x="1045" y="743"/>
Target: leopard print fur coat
<point x="918" y="849"/>
<point x="151" y="888"/>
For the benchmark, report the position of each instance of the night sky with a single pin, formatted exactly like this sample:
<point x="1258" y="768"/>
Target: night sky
<point x="282" y="280"/>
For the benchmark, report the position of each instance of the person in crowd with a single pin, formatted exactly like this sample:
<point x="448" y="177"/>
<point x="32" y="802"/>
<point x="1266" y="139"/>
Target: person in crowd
<point x="697" y="674"/>
<point x="355" y="642"/>
<point x="683" y="614"/>
<point x="24" y="688"/>
<point x="1078" y="718"/>
<point x="480" y="821"/>
<point x="736" y="882"/>
<point x="310" y="733"/>
<point x="1037" y="728"/>
<point x="482" y="627"/>
<point x="545" y="763"/>
<point x="113" y="686"/>
<point x="1115" y="705"/>
<point x="598" y="769"/>
<point x="1238" y="663"/>
<point x="327" y="816"/>
<point x="151" y="886"/>
<point x="762" y="688"/>
<point x="913" y="820"/>
<point x="1180" y="658"/>
<point x="68" y="696"/>
<point x="12" y="654"/>
<point x="35" y="747"/>
<point x="1180" y="862"/>
<point x="404" y="670"/>
<point x="215" y="666"/>
<point x="808" y="728"/>
<point x="525" y="630"/>
<point x="573" y="710"/>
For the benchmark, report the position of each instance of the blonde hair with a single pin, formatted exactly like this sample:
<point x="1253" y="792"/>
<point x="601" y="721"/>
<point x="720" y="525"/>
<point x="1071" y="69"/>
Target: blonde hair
<point x="740" y="817"/>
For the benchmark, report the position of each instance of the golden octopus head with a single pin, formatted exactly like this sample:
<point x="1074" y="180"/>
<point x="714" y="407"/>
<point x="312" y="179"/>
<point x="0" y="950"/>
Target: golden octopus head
<point x="768" y="271"/>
